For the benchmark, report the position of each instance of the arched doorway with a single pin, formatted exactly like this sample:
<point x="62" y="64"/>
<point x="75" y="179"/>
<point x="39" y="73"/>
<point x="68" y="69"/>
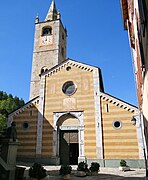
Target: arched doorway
<point x="68" y="139"/>
<point x="69" y="136"/>
<point x="69" y="147"/>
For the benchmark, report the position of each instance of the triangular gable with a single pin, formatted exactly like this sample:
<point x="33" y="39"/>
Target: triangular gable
<point x="118" y="102"/>
<point x="70" y="62"/>
<point x="26" y="106"/>
<point x="66" y="63"/>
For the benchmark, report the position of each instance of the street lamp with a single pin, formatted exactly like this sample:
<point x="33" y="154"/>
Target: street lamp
<point x="133" y="121"/>
<point x="140" y="124"/>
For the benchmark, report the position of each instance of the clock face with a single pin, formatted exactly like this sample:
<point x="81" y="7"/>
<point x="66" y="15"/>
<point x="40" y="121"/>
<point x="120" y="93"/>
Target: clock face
<point x="46" y="40"/>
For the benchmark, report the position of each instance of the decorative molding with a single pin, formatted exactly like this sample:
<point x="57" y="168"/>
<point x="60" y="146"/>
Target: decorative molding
<point x="80" y="116"/>
<point x="118" y="102"/>
<point x="67" y="63"/>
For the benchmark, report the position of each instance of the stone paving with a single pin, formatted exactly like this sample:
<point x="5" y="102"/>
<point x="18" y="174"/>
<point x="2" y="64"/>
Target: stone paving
<point x="104" y="174"/>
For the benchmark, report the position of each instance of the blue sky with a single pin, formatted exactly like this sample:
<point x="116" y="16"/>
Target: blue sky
<point x="95" y="36"/>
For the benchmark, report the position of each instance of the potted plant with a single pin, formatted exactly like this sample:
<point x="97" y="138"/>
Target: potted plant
<point x="38" y="172"/>
<point x="65" y="171"/>
<point x="82" y="169"/>
<point x="94" y="168"/>
<point x="123" y="166"/>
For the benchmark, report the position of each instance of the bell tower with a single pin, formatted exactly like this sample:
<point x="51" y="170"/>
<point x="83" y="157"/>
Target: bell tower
<point x="49" y="46"/>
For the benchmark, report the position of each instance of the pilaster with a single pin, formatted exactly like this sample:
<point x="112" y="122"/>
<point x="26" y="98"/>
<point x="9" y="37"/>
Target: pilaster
<point x="99" y="144"/>
<point x="40" y="118"/>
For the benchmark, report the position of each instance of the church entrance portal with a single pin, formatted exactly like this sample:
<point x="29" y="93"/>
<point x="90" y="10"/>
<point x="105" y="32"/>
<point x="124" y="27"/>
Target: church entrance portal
<point x="69" y="147"/>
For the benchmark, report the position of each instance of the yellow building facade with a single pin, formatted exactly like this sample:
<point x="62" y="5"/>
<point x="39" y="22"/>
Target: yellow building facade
<point x="69" y="117"/>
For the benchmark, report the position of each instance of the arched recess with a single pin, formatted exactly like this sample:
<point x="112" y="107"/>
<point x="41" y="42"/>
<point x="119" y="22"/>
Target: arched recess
<point x="43" y="69"/>
<point x="46" y="31"/>
<point x="68" y="121"/>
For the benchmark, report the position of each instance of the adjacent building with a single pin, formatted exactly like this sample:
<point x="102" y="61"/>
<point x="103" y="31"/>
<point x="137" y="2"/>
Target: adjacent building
<point x="70" y="118"/>
<point x="135" y="19"/>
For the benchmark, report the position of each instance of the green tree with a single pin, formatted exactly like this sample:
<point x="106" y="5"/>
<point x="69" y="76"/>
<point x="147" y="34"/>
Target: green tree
<point x="2" y="121"/>
<point x="8" y="104"/>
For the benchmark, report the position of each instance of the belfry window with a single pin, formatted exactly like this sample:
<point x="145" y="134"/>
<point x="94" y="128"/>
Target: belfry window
<point x="46" y="31"/>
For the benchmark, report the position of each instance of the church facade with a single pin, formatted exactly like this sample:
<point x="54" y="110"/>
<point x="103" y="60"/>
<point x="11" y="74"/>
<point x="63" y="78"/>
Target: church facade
<point x="69" y="117"/>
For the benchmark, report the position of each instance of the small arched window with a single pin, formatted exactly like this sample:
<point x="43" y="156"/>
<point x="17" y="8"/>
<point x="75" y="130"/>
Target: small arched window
<point x="46" y="31"/>
<point x="44" y="69"/>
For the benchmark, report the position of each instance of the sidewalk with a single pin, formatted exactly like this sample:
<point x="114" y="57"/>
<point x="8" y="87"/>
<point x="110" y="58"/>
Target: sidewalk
<point x="104" y="174"/>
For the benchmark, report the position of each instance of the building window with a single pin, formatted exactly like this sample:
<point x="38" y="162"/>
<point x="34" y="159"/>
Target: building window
<point x="117" y="124"/>
<point x="25" y="125"/>
<point x="46" y="31"/>
<point x="69" y="88"/>
<point x="107" y="108"/>
<point x="143" y="15"/>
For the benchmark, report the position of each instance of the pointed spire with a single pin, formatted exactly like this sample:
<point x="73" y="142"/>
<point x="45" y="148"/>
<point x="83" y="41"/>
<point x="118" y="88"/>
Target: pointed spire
<point x="52" y="12"/>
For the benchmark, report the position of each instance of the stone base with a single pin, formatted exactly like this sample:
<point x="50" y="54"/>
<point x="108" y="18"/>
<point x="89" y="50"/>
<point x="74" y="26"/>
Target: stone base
<point x="115" y="163"/>
<point x="49" y="160"/>
<point x="81" y="159"/>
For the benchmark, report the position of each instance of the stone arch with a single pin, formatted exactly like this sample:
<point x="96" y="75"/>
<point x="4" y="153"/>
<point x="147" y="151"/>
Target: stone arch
<point x="68" y="120"/>
<point x="78" y="115"/>
<point x="63" y="120"/>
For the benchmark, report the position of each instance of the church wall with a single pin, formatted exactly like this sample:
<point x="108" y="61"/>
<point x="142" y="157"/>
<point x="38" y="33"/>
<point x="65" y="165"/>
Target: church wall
<point x="118" y="143"/>
<point x="81" y="100"/>
<point x="26" y="135"/>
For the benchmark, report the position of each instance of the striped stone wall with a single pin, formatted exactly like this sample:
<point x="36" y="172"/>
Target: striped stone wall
<point x="120" y="143"/>
<point x="81" y="100"/>
<point x="27" y="135"/>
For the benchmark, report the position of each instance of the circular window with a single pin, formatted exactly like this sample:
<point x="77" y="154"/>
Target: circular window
<point x="117" y="124"/>
<point x="25" y="125"/>
<point x="69" y="88"/>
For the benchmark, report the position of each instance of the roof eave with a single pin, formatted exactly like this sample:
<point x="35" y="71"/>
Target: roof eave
<point x="124" y="10"/>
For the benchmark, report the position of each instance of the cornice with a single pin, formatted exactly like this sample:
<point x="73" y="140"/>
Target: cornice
<point x="118" y="102"/>
<point x="66" y="64"/>
<point x="29" y="104"/>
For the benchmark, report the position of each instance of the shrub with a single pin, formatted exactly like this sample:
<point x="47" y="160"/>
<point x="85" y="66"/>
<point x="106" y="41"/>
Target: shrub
<point x="123" y="163"/>
<point x="82" y="166"/>
<point x="37" y="171"/>
<point x="94" y="166"/>
<point x="65" y="169"/>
